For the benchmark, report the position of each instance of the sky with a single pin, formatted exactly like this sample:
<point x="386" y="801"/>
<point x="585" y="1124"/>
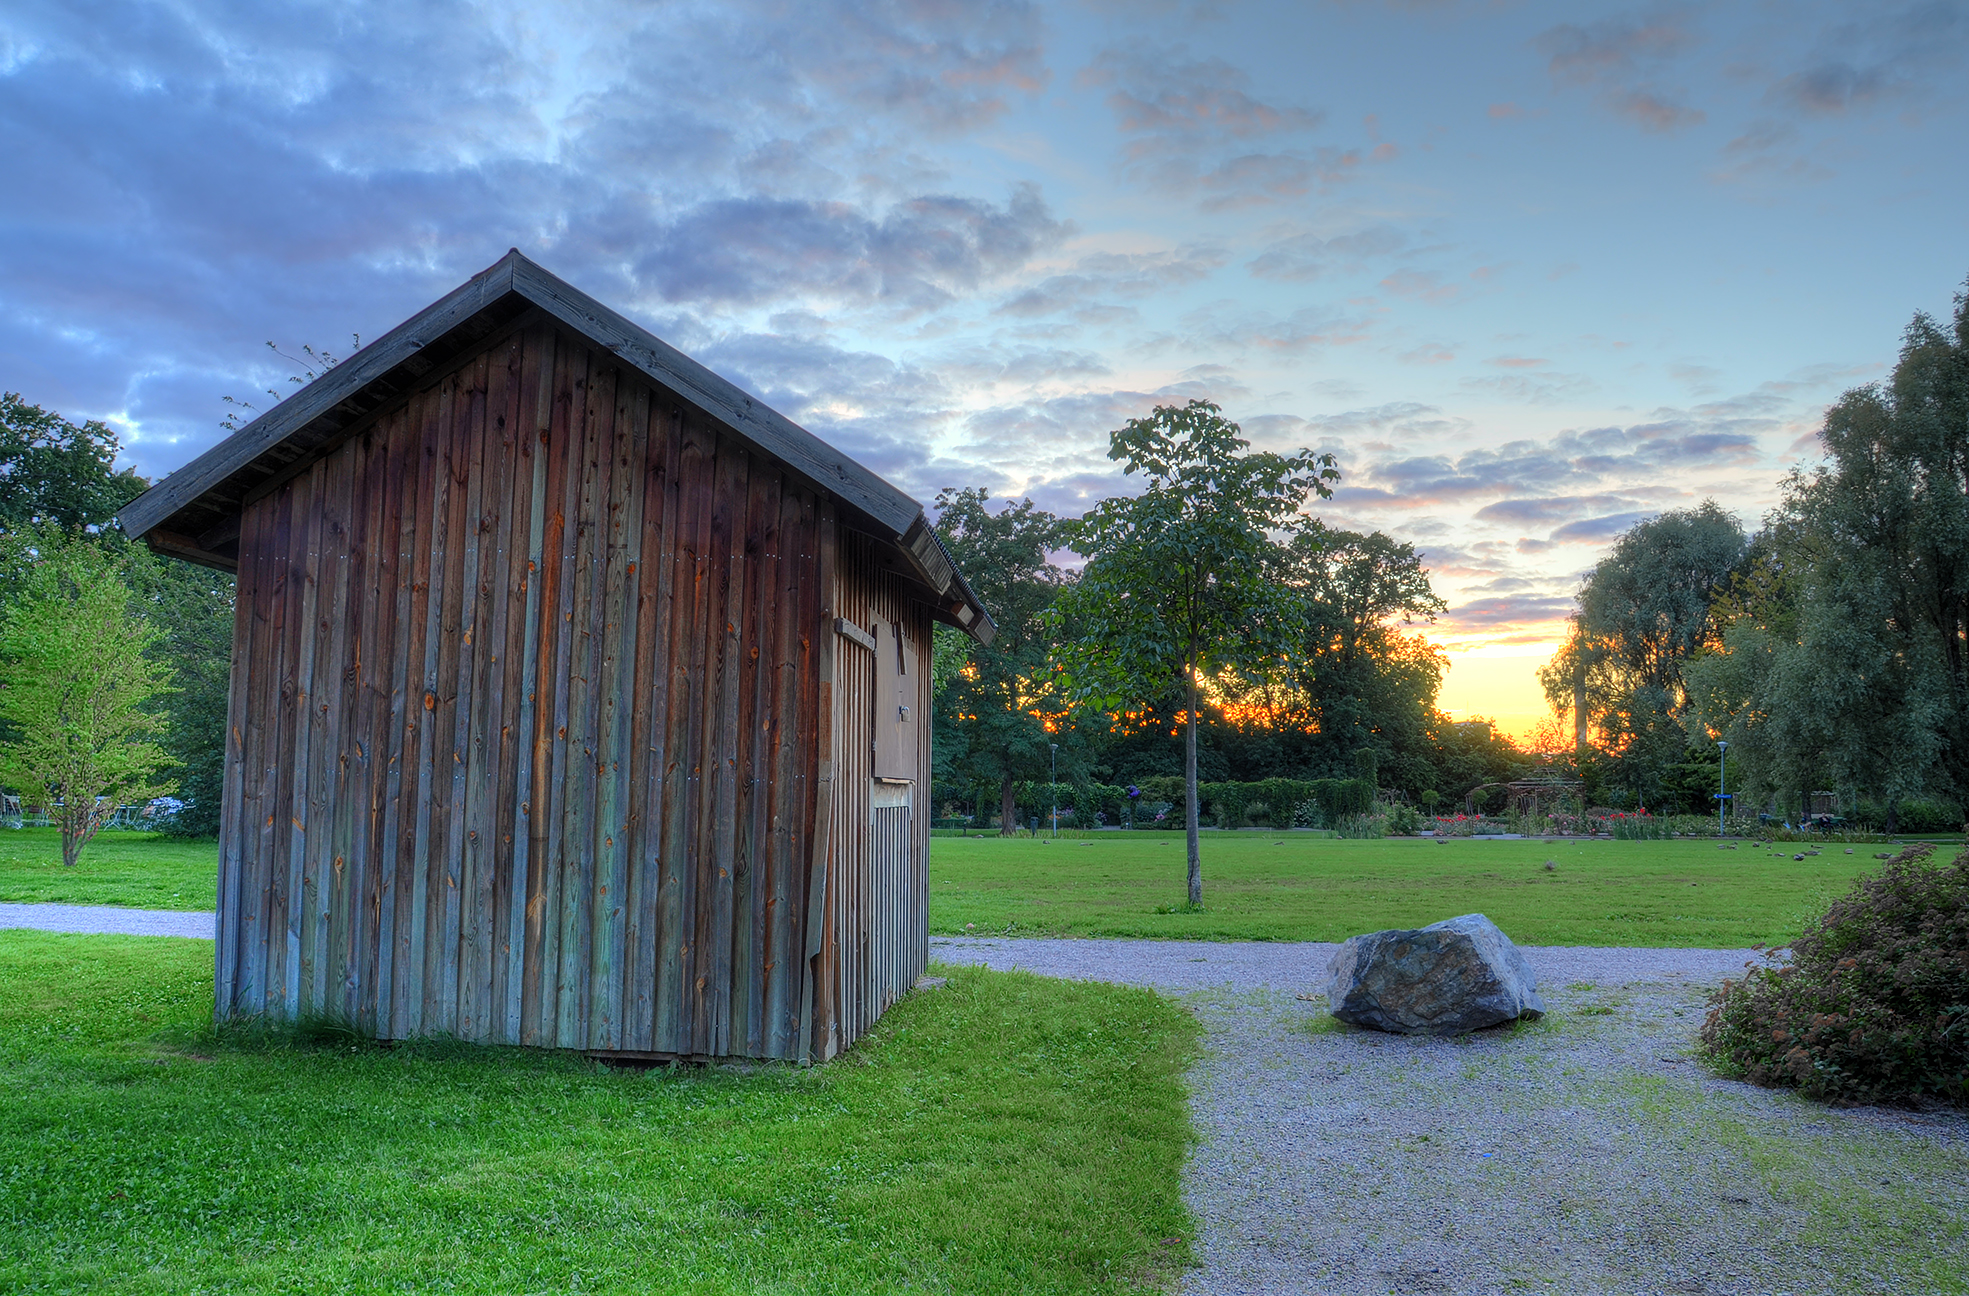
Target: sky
<point x="1531" y="271"/>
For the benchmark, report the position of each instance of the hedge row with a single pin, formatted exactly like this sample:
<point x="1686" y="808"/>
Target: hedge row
<point x="1273" y="803"/>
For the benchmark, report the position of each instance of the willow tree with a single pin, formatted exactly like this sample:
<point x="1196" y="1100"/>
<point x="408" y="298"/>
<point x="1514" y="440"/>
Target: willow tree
<point x="1645" y="610"/>
<point x="1182" y="582"/>
<point x="1847" y="660"/>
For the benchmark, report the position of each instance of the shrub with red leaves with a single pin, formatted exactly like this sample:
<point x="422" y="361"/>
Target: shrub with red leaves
<point x="1873" y="1004"/>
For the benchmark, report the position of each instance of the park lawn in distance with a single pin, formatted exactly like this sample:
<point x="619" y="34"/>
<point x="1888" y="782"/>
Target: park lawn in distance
<point x="134" y="869"/>
<point x="1007" y="1133"/>
<point x="1299" y="886"/>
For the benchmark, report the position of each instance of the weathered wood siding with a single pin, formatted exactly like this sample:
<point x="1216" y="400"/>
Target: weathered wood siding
<point x="876" y="938"/>
<point x="529" y="718"/>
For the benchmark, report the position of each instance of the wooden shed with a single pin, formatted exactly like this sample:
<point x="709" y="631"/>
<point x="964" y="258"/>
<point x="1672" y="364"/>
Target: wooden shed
<point x="578" y="699"/>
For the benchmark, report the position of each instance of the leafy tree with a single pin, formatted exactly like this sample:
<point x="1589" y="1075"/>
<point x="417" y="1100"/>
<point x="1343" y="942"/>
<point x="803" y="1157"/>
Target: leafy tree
<point x="1181" y="583"/>
<point x="58" y="477"/>
<point x="54" y="473"/>
<point x="1000" y="710"/>
<point x="1845" y="657"/>
<point x="192" y="610"/>
<point x="1644" y="611"/>
<point x="78" y="686"/>
<point x="1349" y="674"/>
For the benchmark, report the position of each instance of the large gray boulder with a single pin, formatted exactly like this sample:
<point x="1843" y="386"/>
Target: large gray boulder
<point x="1458" y="975"/>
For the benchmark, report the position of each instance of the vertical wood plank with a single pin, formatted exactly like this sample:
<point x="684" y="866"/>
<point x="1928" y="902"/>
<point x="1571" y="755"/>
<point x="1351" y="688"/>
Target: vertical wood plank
<point x="791" y="757"/>
<point x="657" y="580"/>
<point x="751" y="736"/>
<point x="557" y="562"/>
<point x="718" y="724"/>
<point x="298" y="713"/>
<point x="493" y="739"/>
<point x="247" y="593"/>
<point x="323" y="861"/>
<point x="452" y="600"/>
<point x="523" y="962"/>
<point x="576" y="819"/>
<point x="677" y="892"/>
<point x="432" y="505"/>
<point x="627" y="446"/>
<point x="817" y="1038"/>
<point x="472" y="649"/>
<point x="399" y="751"/>
<point x="376" y="684"/>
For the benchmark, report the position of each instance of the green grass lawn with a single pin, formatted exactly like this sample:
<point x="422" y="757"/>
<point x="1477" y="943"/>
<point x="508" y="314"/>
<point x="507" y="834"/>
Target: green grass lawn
<point x="1256" y="886"/>
<point x="1295" y="886"/>
<point x="140" y="870"/>
<point x="1005" y="1134"/>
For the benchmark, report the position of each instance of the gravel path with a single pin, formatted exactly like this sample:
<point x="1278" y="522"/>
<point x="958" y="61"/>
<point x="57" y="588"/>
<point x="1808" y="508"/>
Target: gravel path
<point x="1584" y="1153"/>
<point x="110" y="920"/>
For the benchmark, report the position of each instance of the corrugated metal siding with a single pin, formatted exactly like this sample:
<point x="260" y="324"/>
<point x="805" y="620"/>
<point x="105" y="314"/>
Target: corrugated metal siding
<point x="878" y="879"/>
<point x="528" y="716"/>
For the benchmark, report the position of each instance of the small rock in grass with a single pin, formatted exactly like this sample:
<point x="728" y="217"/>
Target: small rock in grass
<point x="1448" y="978"/>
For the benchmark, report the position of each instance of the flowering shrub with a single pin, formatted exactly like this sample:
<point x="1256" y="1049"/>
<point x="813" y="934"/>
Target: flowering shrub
<point x="1467" y="825"/>
<point x="1874" y="1001"/>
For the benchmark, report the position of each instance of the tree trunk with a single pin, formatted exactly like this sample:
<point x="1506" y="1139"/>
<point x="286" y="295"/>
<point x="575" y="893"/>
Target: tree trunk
<point x="1008" y="809"/>
<point x="1579" y="722"/>
<point x="72" y="838"/>
<point x="1189" y="797"/>
<point x="1891" y="816"/>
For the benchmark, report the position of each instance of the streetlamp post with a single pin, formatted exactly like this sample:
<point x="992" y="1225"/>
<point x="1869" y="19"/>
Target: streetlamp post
<point x="1722" y="783"/>
<point x="1056" y="788"/>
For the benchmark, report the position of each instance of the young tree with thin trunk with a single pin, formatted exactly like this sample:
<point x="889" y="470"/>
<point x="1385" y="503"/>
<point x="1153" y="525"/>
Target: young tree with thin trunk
<point x="1182" y="581"/>
<point x="78" y="690"/>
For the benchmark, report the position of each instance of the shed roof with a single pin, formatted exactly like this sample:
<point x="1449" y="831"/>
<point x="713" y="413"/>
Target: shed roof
<point x="194" y="513"/>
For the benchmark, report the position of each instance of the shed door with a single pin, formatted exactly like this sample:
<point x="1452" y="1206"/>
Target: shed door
<point x="896" y="721"/>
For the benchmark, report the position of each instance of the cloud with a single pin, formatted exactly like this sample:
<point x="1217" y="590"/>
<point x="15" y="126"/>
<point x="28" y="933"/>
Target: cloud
<point x="1429" y="353"/>
<point x="1886" y="54"/>
<point x="1599" y="530"/>
<point x="1305" y="257"/>
<point x="918" y="255"/>
<point x="1094" y="290"/>
<point x="1545" y="510"/>
<point x="1620" y="57"/>
<point x="1531" y="388"/>
<point x="1395" y="419"/>
<point x="1289" y="333"/>
<point x="206" y="177"/>
<point x="1191" y="127"/>
<point x="1507" y="611"/>
<point x="1458" y="562"/>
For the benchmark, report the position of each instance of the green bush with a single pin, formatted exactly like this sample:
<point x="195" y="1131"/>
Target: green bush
<point x="1873" y="1003"/>
<point x="1912" y="817"/>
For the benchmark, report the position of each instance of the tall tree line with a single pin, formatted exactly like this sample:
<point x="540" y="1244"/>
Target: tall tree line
<point x="1830" y="650"/>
